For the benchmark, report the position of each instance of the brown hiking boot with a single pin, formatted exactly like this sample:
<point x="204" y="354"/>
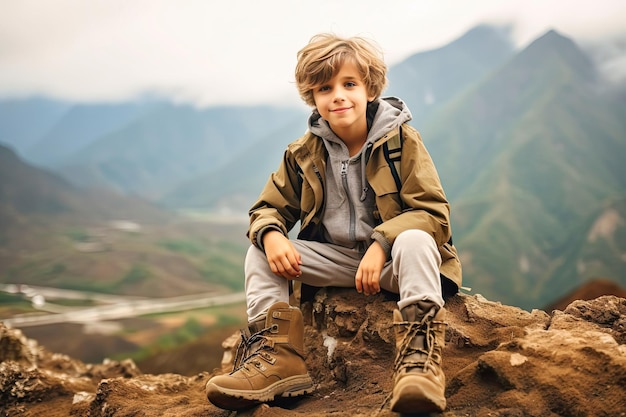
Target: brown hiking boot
<point x="268" y="363"/>
<point x="420" y="383"/>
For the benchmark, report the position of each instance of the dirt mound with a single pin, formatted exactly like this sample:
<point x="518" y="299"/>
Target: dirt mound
<point x="499" y="361"/>
<point x="588" y="291"/>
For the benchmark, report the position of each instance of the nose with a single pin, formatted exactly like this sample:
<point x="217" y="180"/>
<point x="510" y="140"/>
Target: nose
<point x="339" y="95"/>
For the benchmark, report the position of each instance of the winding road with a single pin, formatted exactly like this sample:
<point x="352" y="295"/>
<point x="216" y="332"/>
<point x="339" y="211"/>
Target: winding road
<point x="117" y="307"/>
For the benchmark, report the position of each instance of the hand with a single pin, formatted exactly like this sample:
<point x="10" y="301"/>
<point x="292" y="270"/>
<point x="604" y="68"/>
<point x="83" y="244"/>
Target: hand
<point x="367" y="279"/>
<point x="282" y="256"/>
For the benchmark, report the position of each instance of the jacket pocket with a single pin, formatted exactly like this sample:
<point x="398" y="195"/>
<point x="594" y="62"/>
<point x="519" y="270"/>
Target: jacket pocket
<point x="387" y="196"/>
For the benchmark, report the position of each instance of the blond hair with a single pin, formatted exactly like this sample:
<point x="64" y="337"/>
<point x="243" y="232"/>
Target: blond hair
<point x="321" y="59"/>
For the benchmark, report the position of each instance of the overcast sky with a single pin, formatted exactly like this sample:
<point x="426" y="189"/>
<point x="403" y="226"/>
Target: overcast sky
<point x="240" y="51"/>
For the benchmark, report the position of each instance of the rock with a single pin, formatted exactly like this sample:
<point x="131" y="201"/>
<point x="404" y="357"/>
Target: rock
<point x="14" y="346"/>
<point x="499" y="361"/>
<point x="573" y="367"/>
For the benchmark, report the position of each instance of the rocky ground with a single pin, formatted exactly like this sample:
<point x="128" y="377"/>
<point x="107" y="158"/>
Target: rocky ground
<point x="499" y="361"/>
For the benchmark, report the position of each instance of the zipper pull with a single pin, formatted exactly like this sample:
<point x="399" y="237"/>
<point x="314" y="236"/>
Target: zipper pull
<point x="344" y="168"/>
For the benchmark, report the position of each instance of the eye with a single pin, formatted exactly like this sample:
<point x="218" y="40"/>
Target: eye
<point x="323" y="88"/>
<point x="350" y="84"/>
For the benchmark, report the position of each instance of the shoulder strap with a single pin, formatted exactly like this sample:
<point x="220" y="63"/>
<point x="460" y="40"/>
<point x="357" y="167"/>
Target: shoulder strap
<point x="393" y="153"/>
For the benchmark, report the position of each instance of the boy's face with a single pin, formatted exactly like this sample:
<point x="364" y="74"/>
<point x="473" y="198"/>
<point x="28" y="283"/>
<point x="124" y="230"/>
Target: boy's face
<point x="342" y="102"/>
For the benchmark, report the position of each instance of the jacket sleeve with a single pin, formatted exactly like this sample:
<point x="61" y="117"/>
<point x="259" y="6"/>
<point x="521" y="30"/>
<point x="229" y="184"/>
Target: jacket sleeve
<point x="278" y="205"/>
<point x="423" y="202"/>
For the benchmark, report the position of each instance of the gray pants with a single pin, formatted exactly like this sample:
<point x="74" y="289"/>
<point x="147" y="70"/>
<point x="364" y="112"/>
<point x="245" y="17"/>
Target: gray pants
<point x="412" y="272"/>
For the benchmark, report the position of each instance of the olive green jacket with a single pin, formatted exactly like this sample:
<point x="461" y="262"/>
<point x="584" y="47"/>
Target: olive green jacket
<point x="295" y="192"/>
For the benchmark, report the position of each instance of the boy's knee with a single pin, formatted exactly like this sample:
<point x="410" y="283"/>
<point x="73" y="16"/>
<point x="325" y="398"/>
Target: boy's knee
<point x="416" y="242"/>
<point x="415" y="238"/>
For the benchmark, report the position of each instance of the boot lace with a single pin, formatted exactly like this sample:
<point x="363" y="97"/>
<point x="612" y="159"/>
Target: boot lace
<point x="251" y="348"/>
<point x="409" y="356"/>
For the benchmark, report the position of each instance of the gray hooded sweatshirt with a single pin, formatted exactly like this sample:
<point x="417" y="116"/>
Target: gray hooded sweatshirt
<point x="348" y="218"/>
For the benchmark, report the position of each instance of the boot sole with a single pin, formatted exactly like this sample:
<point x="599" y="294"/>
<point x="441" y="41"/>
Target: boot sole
<point x="233" y="399"/>
<point x="416" y="406"/>
<point x="416" y="401"/>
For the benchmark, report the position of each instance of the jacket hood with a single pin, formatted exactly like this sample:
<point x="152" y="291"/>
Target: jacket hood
<point x="392" y="112"/>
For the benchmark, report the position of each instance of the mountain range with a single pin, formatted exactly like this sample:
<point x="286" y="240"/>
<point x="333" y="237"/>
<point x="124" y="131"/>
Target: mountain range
<point x="529" y="143"/>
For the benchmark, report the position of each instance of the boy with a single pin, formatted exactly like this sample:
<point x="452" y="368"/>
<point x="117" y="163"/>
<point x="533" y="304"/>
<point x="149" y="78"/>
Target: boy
<point x="357" y="230"/>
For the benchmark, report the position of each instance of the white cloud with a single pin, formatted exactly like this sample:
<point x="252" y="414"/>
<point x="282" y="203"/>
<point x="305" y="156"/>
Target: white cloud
<point x="238" y="51"/>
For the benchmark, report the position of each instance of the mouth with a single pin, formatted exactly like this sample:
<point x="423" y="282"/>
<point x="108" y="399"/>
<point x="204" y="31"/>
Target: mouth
<point x="340" y="110"/>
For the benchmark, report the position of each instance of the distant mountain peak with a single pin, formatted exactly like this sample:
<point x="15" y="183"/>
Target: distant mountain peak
<point x="486" y="33"/>
<point x="428" y="80"/>
<point x="560" y="47"/>
<point x="554" y="38"/>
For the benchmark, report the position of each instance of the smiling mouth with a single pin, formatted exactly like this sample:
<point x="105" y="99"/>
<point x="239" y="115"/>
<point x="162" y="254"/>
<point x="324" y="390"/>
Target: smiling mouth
<point x="341" y="110"/>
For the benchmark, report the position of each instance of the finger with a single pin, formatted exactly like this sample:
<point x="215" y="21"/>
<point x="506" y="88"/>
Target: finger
<point x="371" y="284"/>
<point x="358" y="281"/>
<point x="366" y="284"/>
<point x="376" y="283"/>
<point x="294" y="265"/>
<point x="286" y="275"/>
<point x="278" y="268"/>
<point x="283" y="265"/>
<point x="298" y="262"/>
<point x="281" y="273"/>
<point x="288" y="267"/>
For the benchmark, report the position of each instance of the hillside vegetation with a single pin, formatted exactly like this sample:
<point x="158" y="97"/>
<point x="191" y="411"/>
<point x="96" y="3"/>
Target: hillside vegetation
<point x="54" y="234"/>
